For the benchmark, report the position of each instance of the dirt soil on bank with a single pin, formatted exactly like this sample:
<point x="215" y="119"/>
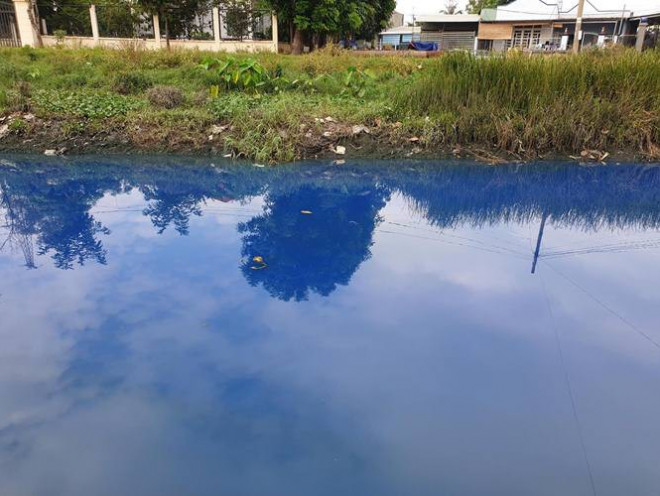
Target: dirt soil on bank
<point x="319" y="139"/>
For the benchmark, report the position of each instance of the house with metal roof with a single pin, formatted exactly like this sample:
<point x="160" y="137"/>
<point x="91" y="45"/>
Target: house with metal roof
<point x="449" y="32"/>
<point x="398" y="38"/>
<point x="542" y="25"/>
<point x="538" y="25"/>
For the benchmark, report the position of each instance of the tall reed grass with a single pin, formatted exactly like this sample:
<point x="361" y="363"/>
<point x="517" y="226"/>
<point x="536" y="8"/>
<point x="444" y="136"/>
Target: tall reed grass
<point x="537" y="104"/>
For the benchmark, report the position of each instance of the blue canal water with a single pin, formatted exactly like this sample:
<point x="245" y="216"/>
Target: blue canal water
<point x="172" y="327"/>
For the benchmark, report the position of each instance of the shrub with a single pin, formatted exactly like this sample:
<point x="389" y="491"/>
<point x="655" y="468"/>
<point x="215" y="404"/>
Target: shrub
<point x="60" y="34"/>
<point x="168" y="97"/>
<point x="131" y="83"/>
<point x="244" y="75"/>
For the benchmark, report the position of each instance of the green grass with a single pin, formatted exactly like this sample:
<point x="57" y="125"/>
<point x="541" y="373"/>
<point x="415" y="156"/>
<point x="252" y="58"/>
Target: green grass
<point x="556" y="103"/>
<point x="515" y="105"/>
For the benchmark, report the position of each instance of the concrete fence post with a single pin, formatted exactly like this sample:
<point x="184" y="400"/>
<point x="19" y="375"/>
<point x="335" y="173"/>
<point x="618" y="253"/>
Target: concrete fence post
<point x="641" y="34"/>
<point x="276" y="33"/>
<point x="95" y="23"/>
<point x="157" y="30"/>
<point x="216" y="27"/>
<point x="24" y="22"/>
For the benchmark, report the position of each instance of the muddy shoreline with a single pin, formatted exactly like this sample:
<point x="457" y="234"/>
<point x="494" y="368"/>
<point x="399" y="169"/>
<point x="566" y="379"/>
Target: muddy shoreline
<point x="331" y="141"/>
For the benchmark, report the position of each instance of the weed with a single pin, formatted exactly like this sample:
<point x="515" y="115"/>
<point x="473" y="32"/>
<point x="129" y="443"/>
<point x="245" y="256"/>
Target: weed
<point x="131" y="83"/>
<point x="4" y="100"/>
<point x="85" y="105"/>
<point x="167" y="97"/>
<point x="242" y="74"/>
<point x="355" y="81"/>
<point x="18" y="126"/>
<point x="515" y="103"/>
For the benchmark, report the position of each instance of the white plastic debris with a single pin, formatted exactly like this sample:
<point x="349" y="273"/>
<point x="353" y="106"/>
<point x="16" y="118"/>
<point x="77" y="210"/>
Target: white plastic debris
<point x="359" y="129"/>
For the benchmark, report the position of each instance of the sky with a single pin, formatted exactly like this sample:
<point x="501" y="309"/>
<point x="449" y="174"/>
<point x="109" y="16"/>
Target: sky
<point x="422" y="6"/>
<point x="408" y="7"/>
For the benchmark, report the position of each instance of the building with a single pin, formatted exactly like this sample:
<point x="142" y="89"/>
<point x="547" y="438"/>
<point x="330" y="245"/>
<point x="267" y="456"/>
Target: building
<point x="450" y="32"/>
<point x="396" y="21"/>
<point x="398" y="38"/>
<point x="540" y="25"/>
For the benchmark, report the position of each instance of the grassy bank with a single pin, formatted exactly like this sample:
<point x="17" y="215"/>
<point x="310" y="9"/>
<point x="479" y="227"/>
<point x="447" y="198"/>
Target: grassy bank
<point x="275" y="108"/>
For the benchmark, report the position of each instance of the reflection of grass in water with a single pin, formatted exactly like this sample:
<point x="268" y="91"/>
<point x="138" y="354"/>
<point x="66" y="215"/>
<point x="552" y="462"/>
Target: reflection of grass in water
<point x="50" y="203"/>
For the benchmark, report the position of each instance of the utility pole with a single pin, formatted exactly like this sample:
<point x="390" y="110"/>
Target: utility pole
<point x="577" y="38"/>
<point x="539" y="240"/>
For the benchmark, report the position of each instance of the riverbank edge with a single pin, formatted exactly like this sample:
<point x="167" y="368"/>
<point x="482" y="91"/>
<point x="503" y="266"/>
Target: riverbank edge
<point x="330" y="140"/>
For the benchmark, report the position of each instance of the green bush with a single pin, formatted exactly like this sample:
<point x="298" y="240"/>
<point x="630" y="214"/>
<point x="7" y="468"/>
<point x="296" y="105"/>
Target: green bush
<point x="131" y="83"/>
<point x="241" y="74"/>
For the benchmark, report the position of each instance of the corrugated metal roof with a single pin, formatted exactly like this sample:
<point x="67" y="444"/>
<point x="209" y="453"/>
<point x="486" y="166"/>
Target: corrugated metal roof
<point x="448" y="18"/>
<point x="596" y="9"/>
<point x="402" y="30"/>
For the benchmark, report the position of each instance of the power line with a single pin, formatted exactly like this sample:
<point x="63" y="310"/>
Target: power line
<point x="569" y="387"/>
<point x="606" y="307"/>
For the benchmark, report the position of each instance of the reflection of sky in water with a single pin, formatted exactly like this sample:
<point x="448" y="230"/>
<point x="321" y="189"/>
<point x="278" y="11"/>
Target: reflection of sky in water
<point x="391" y="347"/>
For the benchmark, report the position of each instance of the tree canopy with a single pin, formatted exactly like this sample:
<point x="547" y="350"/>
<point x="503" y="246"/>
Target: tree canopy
<point x="475" y="6"/>
<point x="344" y="18"/>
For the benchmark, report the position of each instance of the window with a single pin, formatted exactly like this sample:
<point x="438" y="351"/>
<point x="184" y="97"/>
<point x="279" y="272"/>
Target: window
<point x="526" y="37"/>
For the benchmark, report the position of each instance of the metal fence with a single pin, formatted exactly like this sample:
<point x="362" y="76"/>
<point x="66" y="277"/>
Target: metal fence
<point x="66" y="18"/>
<point x="240" y="22"/>
<point x="8" y="28"/>
<point x="123" y="20"/>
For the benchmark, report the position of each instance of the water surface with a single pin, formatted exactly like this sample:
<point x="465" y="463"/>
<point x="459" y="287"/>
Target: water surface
<point x="415" y="329"/>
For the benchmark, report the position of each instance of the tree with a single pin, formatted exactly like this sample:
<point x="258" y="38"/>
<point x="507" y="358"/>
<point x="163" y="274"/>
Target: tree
<point x="451" y="8"/>
<point x="379" y="21"/>
<point x="475" y="6"/>
<point x="71" y="17"/>
<point x="318" y="18"/>
<point x="33" y="13"/>
<point x="238" y="17"/>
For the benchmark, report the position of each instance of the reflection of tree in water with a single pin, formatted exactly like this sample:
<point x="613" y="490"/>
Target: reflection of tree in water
<point x="313" y="252"/>
<point x="171" y="208"/>
<point x="46" y="207"/>
<point x="58" y="217"/>
<point x="71" y="236"/>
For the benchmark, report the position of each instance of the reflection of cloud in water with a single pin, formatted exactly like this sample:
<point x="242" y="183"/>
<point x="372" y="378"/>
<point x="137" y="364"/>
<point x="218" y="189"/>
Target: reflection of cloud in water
<point x="433" y="371"/>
